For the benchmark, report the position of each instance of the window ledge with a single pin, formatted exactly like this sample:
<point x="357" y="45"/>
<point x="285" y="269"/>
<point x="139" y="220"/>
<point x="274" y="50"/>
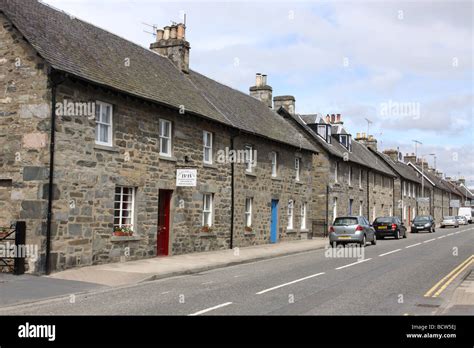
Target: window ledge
<point x="249" y="234"/>
<point x="276" y="178"/>
<point x="209" y="165"/>
<point x="125" y="238"/>
<point x="299" y="182"/>
<point x="251" y="174"/>
<point x="166" y="158"/>
<point x="106" y="148"/>
<point x="291" y="231"/>
<point x="207" y="235"/>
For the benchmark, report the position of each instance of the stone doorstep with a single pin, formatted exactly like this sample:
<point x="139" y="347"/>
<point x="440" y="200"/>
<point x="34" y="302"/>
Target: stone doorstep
<point x="133" y="272"/>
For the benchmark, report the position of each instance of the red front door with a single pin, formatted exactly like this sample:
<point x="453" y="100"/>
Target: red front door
<point x="163" y="233"/>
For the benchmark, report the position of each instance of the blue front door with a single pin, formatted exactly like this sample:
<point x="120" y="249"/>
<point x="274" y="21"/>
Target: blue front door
<point x="274" y="222"/>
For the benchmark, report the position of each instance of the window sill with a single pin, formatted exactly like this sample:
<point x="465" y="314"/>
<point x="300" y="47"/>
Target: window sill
<point x="249" y="234"/>
<point x="125" y="238"/>
<point x="207" y="235"/>
<point x="166" y="158"/>
<point x="209" y="165"/>
<point x="251" y="174"/>
<point x="106" y="148"/>
<point x="276" y="178"/>
<point x="299" y="182"/>
<point x="291" y="231"/>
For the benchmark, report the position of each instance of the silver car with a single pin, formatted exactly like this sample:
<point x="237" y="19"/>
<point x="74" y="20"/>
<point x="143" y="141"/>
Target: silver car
<point x="449" y="221"/>
<point x="462" y="220"/>
<point x="351" y="229"/>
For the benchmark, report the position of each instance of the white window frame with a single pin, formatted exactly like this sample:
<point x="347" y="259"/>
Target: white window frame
<point x="291" y="208"/>
<point x="248" y="158"/>
<point x="304" y="208"/>
<point x="414" y="191"/>
<point x="248" y="211"/>
<point x="391" y="211"/>
<point x="334" y="208"/>
<point x="361" y="204"/>
<point x="164" y="138"/>
<point x="99" y="106"/>
<point x="274" y="158"/>
<point x="336" y="170"/>
<point x="360" y="178"/>
<point x="374" y="213"/>
<point x="121" y="209"/>
<point x="404" y="188"/>
<point x="409" y="189"/>
<point x="297" y="168"/>
<point x="207" y="147"/>
<point x="207" y="197"/>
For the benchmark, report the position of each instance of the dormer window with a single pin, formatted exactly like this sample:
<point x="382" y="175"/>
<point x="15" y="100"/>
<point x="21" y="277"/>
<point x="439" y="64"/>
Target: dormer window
<point x="346" y="141"/>
<point x="324" y="131"/>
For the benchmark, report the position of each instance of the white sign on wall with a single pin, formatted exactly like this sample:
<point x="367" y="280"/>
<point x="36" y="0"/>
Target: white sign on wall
<point x="186" y="177"/>
<point x="454" y="203"/>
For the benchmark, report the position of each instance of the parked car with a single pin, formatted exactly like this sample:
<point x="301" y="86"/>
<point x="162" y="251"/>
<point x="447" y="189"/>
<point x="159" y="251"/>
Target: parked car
<point x="423" y="223"/>
<point x="461" y="220"/>
<point x="449" y="221"/>
<point x="467" y="212"/>
<point x="389" y="226"/>
<point x="351" y="229"/>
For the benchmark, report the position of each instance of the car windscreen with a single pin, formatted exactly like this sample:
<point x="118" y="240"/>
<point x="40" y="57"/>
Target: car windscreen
<point x="347" y="221"/>
<point x="422" y="219"/>
<point x="449" y="217"/>
<point x="383" y="220"/>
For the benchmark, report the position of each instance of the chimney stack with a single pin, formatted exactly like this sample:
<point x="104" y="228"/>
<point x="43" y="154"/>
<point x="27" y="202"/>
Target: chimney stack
<point x="368" y="141"/>
<point x="261" y="90"/>
<point x="410" y="158"/>
<point x="171" y="43"/>
<point x="285" y="101"/>
<point x="392" y="153"/>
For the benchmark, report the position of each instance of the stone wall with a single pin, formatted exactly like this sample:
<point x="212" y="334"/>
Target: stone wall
<point x="24" y="137"/>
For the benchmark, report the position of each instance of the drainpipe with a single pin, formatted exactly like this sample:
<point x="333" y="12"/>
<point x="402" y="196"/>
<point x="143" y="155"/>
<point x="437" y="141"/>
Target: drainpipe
<point x="232" y="195"/>
<point x="401" y="199"/>
<point x="54" y="80"/>
<point x="326" y="228"/>
<point x="368" y="195"/>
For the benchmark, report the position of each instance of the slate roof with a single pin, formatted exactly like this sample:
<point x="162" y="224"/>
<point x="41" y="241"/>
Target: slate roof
<point x="402" y="169"/>
<point x="440" y="183"/>
<point x="74" y="46"/>
<point x="360" y="154"/>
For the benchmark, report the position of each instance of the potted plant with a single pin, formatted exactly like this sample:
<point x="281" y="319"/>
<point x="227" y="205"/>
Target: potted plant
<point x="248" y="229"/>
<point x="206" y="228"/>
<point x="121" y="231"/>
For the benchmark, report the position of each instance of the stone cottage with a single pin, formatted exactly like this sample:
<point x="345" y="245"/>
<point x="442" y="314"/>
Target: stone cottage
<point x="115" y="152"/>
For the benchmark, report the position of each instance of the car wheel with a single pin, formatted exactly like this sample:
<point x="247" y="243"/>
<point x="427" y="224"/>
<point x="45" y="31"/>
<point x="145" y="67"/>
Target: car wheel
<point x="364" y="242"/>
<point x="333" y="244"/>
<point x="397" y="236"/>
<point x="374" y="241"/>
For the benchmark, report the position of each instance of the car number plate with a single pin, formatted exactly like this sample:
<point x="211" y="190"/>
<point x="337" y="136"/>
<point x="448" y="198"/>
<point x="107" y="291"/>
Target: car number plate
<point x="382" y="227"/>
<point x="344" y="237"/>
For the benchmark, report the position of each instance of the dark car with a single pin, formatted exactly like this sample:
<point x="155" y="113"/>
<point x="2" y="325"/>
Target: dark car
<point x="423" y="223"/>
<point x="389" y="226"/>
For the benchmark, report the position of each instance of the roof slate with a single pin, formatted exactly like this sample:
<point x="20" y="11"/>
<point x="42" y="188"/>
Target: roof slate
<point x="405" y="171"/>
<point x="74" y="46"/>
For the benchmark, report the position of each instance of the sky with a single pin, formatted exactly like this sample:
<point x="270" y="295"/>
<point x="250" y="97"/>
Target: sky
<point x="407" y="66"/>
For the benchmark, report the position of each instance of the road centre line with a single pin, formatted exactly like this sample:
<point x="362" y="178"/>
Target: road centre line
<point x="289" y="283"/>
<point x="429" y="240"/>
<point x="441" y="237"/>
<point x="390" y="252"/>
<point x="354" y="263"/>
<point x="211" y="309"/>
<point x="413" y="245"/>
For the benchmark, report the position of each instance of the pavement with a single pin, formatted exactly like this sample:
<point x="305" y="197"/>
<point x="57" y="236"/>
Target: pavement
<point x="424" y="274"/>
<point x="131" y="272"/>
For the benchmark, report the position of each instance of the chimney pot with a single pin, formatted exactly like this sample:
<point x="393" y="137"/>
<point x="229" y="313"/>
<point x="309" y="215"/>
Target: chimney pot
<point x="159" y="34"/>
<point x="173" y="32"/>
<point x="181" y="31"/>
<point x="166" y="35"/>
<point x="264" y="80"/>
<point x="328" y="119"/>
<point x="333" y="118"/>
<point x="262" y="91"/>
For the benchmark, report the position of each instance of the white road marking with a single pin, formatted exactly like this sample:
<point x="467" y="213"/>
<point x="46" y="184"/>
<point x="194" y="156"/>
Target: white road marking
<point x="390" y="252"/>
<point x="211" y="309"/>
<point x="450" y="234"/>
<point x="413" y="245"/>
<point x="165" y="292"/>
<point x="289" y="283"/>
<point x="457" y="232"/>
<point x="429" y="240"/>
<point x="354" y="263"/>
<point x="207" y="282"/>
<point x="441" y="237"/>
